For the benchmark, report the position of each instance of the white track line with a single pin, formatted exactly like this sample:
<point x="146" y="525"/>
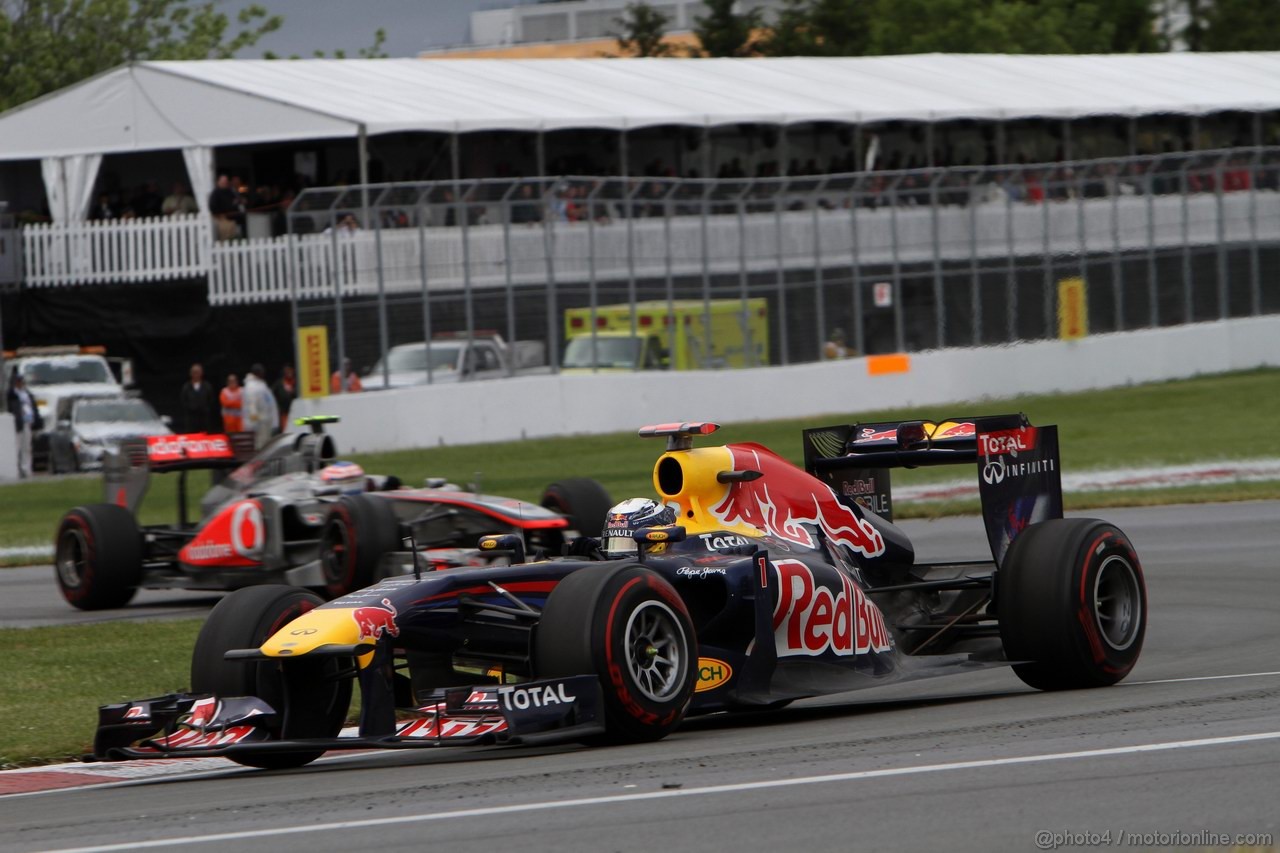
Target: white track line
<point x="1199" y="678"/>
<point x="670" y="794"/>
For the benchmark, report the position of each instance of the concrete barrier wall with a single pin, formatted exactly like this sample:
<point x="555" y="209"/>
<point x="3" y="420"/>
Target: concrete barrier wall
<point x="8" y="449"/>
<point x="536" y="406"/>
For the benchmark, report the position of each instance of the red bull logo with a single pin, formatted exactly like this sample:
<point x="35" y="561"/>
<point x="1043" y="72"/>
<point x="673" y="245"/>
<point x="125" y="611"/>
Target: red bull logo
<point x="811" y="620"/>
<point x="964" y="429"/>
<point x="373" y="621"/>
<point x="785" y="499"/>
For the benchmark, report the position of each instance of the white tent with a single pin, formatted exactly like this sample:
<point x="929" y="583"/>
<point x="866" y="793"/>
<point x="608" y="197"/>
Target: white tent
<point x="195" y="106"/>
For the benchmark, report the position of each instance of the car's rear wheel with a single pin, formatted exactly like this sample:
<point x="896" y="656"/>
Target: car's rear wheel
<point x="582" y="500"/>
<point x="358" y="531"/>
<point x="316" y="702"/>
<point x="98" y="556"/>
<point x="626" y="625"/>
<point x="1072" y="604"/>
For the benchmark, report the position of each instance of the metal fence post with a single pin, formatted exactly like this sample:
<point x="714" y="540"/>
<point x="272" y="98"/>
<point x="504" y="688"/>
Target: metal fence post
<point x="1117" y="268"/>
<point x="423" y="198"/>
<point x="855" y="268"/>
<point x="899" y="330"/>
<point x="819" y="283"/>
<point x="1153" y="279"/>
<point x="1049" y="297"/>
<point x="507" y="209"/>
<point x="1188" y="308"/>
<point x="975" y="281"/>
<point x="549" y="247"/>
<point x="1255" y="267"/>
<point x="784" y="344"/>
<point x="667" y="212"/>
<point x="1224" y="307"/>
<point x="749" y="354"/>
<point x="939" y="307"/>
<point x="335" y="270"/>
<point x="706" y="185"/>
<point x="1010" y="271"/>
<point x="592" y="293"/>
<point x="383" y="334"/>
<point x="629" y="189"/>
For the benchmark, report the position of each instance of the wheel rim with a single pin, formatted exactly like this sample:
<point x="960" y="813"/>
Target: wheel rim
<point x="655" y="647"/>
<point x="1117" y="602"/>
<point x="72" y="558"/>
<point x="335" y="551"/>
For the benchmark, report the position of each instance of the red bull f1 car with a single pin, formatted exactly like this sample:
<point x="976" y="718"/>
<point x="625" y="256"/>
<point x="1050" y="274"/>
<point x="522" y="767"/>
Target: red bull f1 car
<point x="288" y="514"/>
<point x="766" y="583"/>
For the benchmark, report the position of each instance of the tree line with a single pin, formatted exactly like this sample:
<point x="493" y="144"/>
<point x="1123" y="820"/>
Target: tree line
<point x="48" y="44"/>
<point x="892" y="27"/>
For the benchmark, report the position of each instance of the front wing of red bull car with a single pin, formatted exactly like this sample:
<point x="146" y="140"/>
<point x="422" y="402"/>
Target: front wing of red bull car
<point x="775" y="583"/>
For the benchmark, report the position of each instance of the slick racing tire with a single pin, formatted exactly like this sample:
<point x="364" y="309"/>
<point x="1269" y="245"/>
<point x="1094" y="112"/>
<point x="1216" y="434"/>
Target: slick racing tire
<point x="98" y="556"/>
<point x="317" y="702"/>
<point x="359" y="530"/>
<point x="582" y="500"/>
<point x="626" y="625"/>
<point x="1072" y="604"/>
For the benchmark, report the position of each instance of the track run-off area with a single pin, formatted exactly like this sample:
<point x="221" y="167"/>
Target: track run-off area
<point x="1184" y="753"/>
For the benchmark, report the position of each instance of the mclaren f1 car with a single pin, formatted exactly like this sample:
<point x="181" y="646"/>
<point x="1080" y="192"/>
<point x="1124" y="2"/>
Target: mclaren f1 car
<point x="760" y="583"/>
<point x="289" y="514"/>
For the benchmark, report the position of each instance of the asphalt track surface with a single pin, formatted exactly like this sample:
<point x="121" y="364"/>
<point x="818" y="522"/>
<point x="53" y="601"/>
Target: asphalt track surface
<point x="1190" y="743"/>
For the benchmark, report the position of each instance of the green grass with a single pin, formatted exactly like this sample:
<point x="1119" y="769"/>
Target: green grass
<point x="55" y="678"/>
<point x="1231" y="416"/>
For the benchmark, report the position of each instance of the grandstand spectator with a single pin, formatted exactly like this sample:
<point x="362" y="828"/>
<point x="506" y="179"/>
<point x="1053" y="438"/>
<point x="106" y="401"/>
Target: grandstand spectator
<point x="103" y="209"/>
<point x="224" y="205"/>
<point x="179" y="202"/>
<point x="146" y="199"/>
<point x="527" y="208"/>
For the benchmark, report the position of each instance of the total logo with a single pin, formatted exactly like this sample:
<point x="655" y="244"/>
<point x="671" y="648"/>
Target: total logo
<point x="718" y="542"/>
<point x="1009" y="442"/>
<point x="809" y="620"/>
<point x="524" y="698"/>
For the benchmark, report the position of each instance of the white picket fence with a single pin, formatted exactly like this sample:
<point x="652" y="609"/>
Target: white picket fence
<point x="151" y="249"/>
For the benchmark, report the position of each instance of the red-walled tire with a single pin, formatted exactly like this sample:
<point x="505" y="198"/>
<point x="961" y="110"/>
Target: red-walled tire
<point x="582" y="500"/>
<point x="626" y="625"/>
<point x="1072" y="604"/>
<point x="359" y="530"/>
<point x="98" y="557"/>
<point x="317" y="703"/>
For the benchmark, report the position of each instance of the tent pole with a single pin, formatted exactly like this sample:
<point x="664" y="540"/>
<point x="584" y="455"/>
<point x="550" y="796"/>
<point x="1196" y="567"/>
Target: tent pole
<point x="362" y="155"/>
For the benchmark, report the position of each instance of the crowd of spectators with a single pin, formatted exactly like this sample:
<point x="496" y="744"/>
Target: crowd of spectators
<point x="864" y="176"/>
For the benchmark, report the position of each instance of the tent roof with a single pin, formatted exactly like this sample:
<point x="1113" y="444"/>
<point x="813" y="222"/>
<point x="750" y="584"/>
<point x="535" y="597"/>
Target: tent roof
<point x="159" y="105"/>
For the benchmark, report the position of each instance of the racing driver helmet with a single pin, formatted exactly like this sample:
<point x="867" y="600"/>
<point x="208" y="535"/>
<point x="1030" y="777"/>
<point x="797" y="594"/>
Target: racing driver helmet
<point x="347" y="478"/>
<point x="629" y="516"/>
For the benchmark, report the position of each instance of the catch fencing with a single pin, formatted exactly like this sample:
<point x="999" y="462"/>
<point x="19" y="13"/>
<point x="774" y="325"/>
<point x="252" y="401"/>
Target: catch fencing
<point x="867" y="262"/>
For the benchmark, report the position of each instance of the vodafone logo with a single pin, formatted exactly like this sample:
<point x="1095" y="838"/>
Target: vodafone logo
<point x="247" y="529"/>
<point x="810" y="620"/>
<point x="172" y="448"/>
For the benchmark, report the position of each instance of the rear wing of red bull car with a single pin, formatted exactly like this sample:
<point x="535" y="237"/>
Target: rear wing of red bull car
<point x="1017" y="464"/>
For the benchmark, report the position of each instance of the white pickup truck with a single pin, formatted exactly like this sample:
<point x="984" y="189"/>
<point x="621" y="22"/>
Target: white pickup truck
<point x="456" y="359"/>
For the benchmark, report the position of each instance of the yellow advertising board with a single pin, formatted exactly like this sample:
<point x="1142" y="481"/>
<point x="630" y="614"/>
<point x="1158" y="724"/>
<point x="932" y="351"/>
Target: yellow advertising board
<point x="313" y="361"/>
<point x="1073" y="309"/>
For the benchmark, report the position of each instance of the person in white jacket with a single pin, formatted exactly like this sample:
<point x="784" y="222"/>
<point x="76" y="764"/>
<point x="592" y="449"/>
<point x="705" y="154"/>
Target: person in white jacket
<point x="261" y="415"/>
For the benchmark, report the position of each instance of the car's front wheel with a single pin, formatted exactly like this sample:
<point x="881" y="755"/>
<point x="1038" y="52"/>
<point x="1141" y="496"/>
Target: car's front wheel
<point x="1072" y="604"/>
<point x="316" y="702"/>
<point x="626" y="625"/>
